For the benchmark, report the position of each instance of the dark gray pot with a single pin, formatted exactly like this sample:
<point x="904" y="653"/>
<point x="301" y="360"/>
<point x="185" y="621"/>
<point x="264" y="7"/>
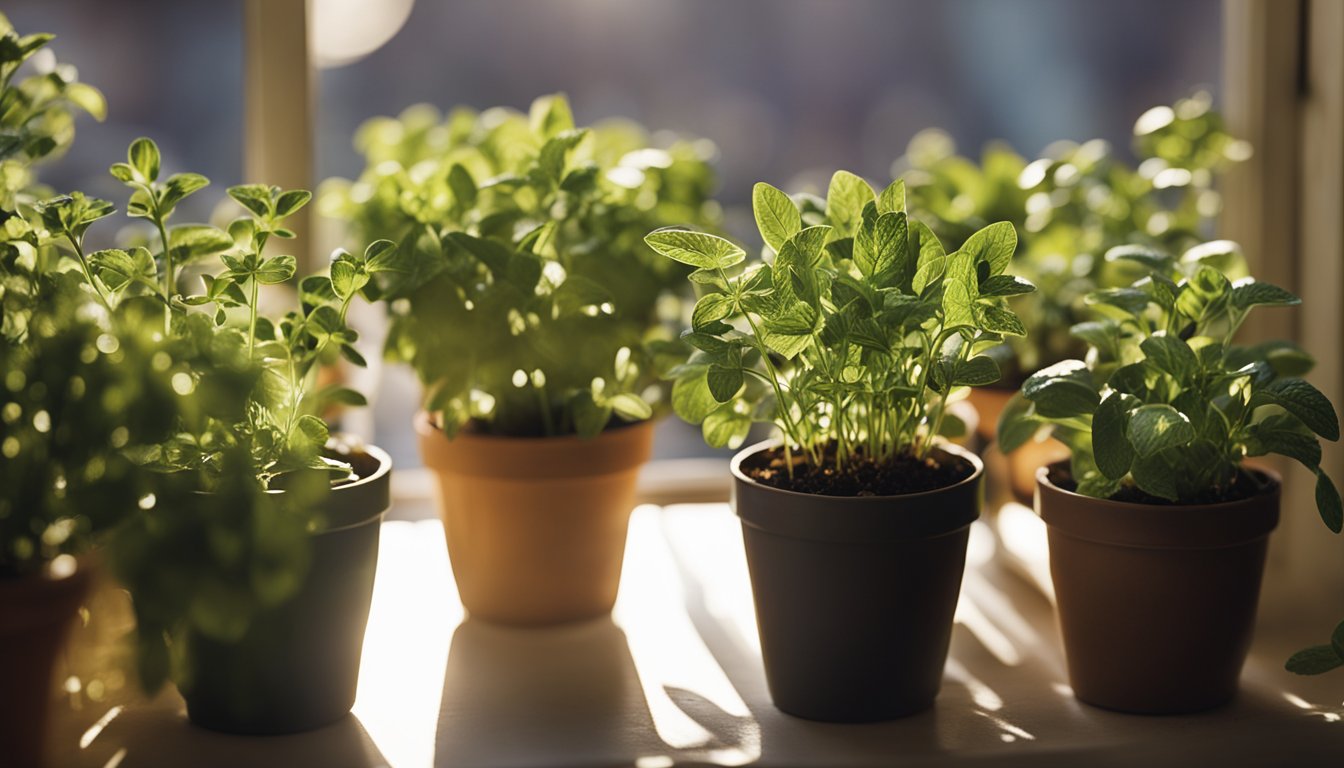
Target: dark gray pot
<point x="298" y="665"/>
<point x="855" y="595"/>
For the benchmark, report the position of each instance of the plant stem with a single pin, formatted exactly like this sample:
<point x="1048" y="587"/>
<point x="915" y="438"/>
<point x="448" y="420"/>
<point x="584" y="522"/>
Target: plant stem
<point x="168" y="279"/>
<point x="88" y="275"/>
<point x="252" y="318"/>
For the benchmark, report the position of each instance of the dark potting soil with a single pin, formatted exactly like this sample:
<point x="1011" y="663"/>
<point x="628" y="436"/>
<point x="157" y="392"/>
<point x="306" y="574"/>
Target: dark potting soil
<point x="900" y="476"/>
<point x="1242" y="486"/>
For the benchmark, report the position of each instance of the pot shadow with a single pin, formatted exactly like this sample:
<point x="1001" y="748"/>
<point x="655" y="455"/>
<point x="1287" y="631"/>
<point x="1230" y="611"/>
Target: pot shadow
<point x="162" y="737"/>
<point x="514" y="696"/>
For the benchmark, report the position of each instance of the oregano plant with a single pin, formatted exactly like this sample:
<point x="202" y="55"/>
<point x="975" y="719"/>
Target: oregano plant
<point x="852" y="339"/>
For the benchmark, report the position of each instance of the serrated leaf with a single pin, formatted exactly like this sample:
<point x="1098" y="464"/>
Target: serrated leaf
<point x="1286" y="436"/>
<point x="1249" y="293"/>
<point x="1303" y="401"/>
<point x="998" y="320"/>
<point x="1170" y="354"/>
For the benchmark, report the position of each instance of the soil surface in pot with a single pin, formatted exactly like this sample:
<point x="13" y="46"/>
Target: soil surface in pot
<point x="903" y="475"/>
<point x="1242" y="486"/>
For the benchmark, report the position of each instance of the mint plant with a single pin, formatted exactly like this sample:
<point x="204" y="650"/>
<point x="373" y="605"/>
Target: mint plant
<point x="1167" y="403"/>
<point x="853" y="339"/>
<point x="529" y="304"/>
<point x="1073" y="204"/>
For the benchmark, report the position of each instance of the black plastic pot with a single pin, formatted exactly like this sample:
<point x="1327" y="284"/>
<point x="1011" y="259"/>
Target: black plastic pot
<point x="298" y="665"/>
<point x="1156" y="602"/>
<point x="855" y="595"/>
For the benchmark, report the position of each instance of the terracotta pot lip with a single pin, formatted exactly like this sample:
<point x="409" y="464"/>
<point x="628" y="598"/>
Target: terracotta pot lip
<point x="1043" y="482"/>
<point x="426" y="426"/>
<point x="977" y="467"/>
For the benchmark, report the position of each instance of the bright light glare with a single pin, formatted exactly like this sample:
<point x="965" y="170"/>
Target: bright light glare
<point x="345" y="31"/>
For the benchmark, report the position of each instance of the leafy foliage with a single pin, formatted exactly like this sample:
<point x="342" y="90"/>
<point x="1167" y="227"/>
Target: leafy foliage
<point x="1319" y="658"/>
<point x="853" y="338"/>
<point x="1167" y="402"/>
<point x="1074" y="204"/>
<point x="37" y="111"/>
<point x="528" y="302"/>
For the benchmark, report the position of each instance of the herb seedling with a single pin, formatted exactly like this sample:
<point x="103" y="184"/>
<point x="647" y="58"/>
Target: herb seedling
<point x="854" y="339"/>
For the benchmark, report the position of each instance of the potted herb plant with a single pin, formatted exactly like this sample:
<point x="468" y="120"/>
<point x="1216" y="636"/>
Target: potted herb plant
<point x="528" y="308"/>
<point x="252" y="571"/>
<point x="1070" y="206"/>
<point x="852" y="341"/>
<point x="1158" y="524"/>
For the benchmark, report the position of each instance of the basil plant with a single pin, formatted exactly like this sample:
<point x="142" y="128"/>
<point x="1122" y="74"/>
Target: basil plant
<point x="853" y="338"/>
<point x="1073" y="204"/>
<point x="530" y="304"/>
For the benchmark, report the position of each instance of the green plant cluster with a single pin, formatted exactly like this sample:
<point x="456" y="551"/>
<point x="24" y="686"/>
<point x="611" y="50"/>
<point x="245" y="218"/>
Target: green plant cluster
<point x="1166" y="401"/>
<point x="529" y="300"/>
<point x="1072" y="205"/>
<point x="37" y="111"/>
<point x="853" y="338"/>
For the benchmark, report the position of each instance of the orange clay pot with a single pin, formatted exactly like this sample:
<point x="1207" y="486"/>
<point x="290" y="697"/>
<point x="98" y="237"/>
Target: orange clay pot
<point x="536" y="526"/>
<point x="35" y="617"/>
<point x="1021" y="464"/>
<point x="989" y="403"/>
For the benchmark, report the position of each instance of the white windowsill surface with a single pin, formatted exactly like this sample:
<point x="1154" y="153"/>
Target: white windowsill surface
<point x="675" y="678"/>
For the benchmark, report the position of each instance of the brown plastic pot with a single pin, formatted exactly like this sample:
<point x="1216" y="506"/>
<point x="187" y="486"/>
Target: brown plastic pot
<point x="1156" y="602"/>
<point x="35" y="616"/>
<point x="855" y="595"/>
<point x="536" y="526"/>
<point x="297" y="667"/>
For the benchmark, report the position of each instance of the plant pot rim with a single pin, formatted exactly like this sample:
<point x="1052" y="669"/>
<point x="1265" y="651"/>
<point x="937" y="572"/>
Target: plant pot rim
<point x="373" y="492"/>
<point x="1159" y="526"/>
<point x="523" y="459"/>
<point x="427" y="424"/>
<point x="977" y="469"/>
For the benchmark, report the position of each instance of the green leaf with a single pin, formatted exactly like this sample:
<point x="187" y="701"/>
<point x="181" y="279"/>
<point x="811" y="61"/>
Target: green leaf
<point x="1156" y="427"/>
<point x="998" y="320"/>
<point x="590" y="416"/>
<point x="691" y="398"/>
<point x="178" y="187"/>
<point x="1017" y="424"/>
<point x="290" y="202"/>
<point x="554" y="157"/>
<point x="1303" y="401"/>
<point x="1062" y="390"/>
<point x="276" y="269"/>
<point x="725" y="427"/>
<point x="1249" y="293"/>
<point x="993" y="244"/>
<point x="192" y="242"/>
<point x="1287" y="436"/>
<point x="845" y="199"/>
<point x="384" y="256"/>
<point x="308" y="437"/>
<point x="87" y="98"/>
<point x="1328" y="502"/>
<point x="724" y="381"/>
<point x="256" y="198"/>
<point x="119" y="269"/>
<point x="1110" y="447"/>
<point x="695" y="248"/>
<point x="143" y="156"/>
<point x="1005" y="285"/>
<point x="631" y="407"/>
<point x="1156" y="475"/>
<point x="978" y="371"/>
<point x="462" y="185"/>
<point x="1170" y="354"/>
<point x="892" y="199"/>
<point x="776" y="215"/>
<point x="932" y="259"/>
<point x="1315" y="660"/>
<point x="1152" y="259"/>
<point x="1204" y="295"/>
<point x="711" y="308"/>
<point x="550" y="116"/>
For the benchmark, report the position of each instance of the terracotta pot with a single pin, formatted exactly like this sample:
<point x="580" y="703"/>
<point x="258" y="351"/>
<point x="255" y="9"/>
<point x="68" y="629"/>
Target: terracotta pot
<point x="1156" y="602"/>
<point x="297" y="667"/>
<point x="536" y="526"/>
<point x="1026" y="460"/>
<point x="855" y="595"/>
<point x="35" y="617"/>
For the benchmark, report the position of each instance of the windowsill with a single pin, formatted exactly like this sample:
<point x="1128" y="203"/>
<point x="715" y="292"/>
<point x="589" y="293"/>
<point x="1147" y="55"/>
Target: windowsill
<point x="675" y="678"/>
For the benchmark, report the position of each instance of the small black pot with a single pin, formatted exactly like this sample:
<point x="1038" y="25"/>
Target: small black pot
<point x="298" y="665"/>
<point x="855" y="595"/>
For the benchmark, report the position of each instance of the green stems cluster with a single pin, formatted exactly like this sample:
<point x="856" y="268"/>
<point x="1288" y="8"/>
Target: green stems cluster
<point x="856" y="336"/>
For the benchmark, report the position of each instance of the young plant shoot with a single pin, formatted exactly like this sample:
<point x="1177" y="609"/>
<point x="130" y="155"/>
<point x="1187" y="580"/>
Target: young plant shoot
<point x="852" y="340"/>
